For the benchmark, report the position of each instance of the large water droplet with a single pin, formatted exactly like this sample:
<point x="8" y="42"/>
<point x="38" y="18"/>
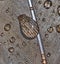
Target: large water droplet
<point x="28" y="26"/>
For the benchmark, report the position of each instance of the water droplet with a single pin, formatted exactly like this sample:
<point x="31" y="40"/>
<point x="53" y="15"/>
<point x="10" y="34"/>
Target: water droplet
<point x="47" y="4"/>
<point x="46" y="35"/>
<point x="2" y="34"/>
<point x="7" y="27"/>
<point x="12" y="39"/>
<point x="28" y="26"/>
<point x="58" y="28"/>
<point x="7" y="10"/>
<point x="58" y="10"/>
<point x="50" y="29"/>
<point x="39" y="2"/>
<point x="48" y="54"/>
<point x="11" y="49"/>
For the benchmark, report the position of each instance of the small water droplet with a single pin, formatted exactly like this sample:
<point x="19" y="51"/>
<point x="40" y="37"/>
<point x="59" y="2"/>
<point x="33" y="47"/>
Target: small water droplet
<point x="58" y="10"/>
<point x="50" y="29"/>
<point x="47" y="4"/>
<point x="11" y="49"/>
<point x="48" y="54"/>
<point x="46" y="35"/>
<point x="58" y="28"/>
<point x="39" y="2"/>
<point x="2" y="34"/>
<point x="12" y="39"/>
<point x="7" y="27"/>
